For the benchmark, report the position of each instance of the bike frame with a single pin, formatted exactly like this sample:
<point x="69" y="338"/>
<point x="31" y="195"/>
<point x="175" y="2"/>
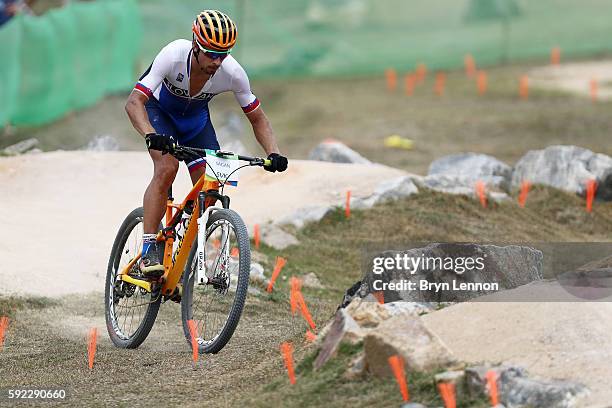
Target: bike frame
<point x="199" y="195"/>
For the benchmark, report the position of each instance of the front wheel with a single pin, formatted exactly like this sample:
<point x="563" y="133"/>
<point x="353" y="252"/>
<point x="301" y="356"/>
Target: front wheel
<point x="130" y="310"/>
<point x="217" y="306"/>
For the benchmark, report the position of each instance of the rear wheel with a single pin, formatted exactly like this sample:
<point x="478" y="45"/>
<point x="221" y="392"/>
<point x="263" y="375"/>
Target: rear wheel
<point x="130" y="310"/>
<point x="217" y="306"/>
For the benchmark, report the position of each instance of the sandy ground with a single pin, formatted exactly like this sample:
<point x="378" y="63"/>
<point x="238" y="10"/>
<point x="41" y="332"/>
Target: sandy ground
<point x="562" y="340"/>
<point x="575" y="78"/>
<point x="58" y="235"/>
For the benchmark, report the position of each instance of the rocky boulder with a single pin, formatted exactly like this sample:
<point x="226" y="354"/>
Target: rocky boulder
<point x="305" y="215"/>
<point x="467" y="168"/>
<point x="407" y="336"/>
<point x="103" y="143"/>
<point x="337" y="152"/>
<point x="274" y="236"/>
<point x="257" y="272"/>
<point x="567" y="168"/>
<point x="353" y="323"/>
<point x="19" y="148"/>
<point x="516" y="389"/>
<point x="450" y="272"/>
<point x="393" y="189"/>
<point x="461" y="185"/>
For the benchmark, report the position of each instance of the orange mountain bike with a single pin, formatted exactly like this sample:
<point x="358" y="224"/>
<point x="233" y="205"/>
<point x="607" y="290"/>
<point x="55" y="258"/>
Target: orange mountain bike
<point x="206" y="257"/>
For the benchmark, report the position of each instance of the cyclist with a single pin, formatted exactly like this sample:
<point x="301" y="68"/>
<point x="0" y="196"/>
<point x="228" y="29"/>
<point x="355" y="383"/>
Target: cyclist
<point x="169" y="106"/>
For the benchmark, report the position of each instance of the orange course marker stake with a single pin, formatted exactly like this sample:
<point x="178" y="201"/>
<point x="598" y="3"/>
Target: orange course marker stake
<point x="347" y="205"/>
<point x="591" y="188"/>
<point x="310" y="336"/>
<point x="524" y="87"/>
<point x="280" y="262"/>
<point x="305" y="312"/>
<point x="491" y="377"/>
<point x="410" y="82"/>
<point x="421" y="72"/>
<point x="447" y="392"/>
<point x="256" y="235"/>
<point x="296" y="287"/>
<point x="397" y="366"/>
<point x="391" y="76"/>
<point x="481" y="193"/>
<point x="91" y="346"/>
<point x="470" y="65"/>
<point x="286" y="349"/>
<point x="525" y="186"/>
<point x="440" y="83"/>
<point x="193" y="334"/>
<point x="4" y="322"/>
<point x="481" y="82"/>
<point x="594" y="90"/>
<point x="555" y="56"/>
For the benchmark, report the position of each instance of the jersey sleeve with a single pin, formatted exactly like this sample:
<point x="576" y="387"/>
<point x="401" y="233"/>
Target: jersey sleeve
<point x="242" y="91"/>
<point x="155" y="74"/>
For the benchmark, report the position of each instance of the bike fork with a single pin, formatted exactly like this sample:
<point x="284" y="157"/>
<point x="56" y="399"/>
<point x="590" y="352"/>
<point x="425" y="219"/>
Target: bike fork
<point x="201" y="277"/>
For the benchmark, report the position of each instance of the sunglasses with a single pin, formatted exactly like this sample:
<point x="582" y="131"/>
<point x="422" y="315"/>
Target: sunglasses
<point x="214" y="54"/>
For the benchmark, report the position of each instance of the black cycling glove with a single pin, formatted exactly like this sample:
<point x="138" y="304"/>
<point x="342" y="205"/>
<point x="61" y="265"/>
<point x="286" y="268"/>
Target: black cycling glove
<point x="163" y="143"/>
<point x="279" y="163"/>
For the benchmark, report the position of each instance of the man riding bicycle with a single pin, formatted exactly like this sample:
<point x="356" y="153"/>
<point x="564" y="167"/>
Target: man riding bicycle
<point x="169" y="106"/>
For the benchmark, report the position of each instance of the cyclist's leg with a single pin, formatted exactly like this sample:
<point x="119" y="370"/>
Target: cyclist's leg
<point x="165" y="168"/>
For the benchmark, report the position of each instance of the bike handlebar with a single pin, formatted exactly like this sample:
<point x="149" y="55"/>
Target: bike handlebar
<point x="253" y="161"/>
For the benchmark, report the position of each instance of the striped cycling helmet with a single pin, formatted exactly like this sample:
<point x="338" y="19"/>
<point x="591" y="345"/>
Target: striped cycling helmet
<point x="214" y="31"/>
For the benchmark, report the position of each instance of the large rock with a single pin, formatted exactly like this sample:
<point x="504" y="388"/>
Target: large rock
<point x="257" y="272"/>
<point x="272" y="235"/>
<point x="447" y="264"/>
<point x="353" y="323"/>
<point x="393" y="189"/>
<point x="567" y="168"/>
<point x="517" y="390"/>
<point x="471" y="167"/>
<point x="20" y="147"/>
<point x="337" y="152"/>
<point x="305" y="215"/>
<point x="311" y="280"/>
<point x="103" y="143"/>
<point x="407" y="336"/>
<point x="342" y="329"/>
<point x="450" y="184"/>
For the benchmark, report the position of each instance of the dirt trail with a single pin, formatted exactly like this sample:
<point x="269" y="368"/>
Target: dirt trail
<point x="47" y="348"/>
<point x="83" y="197"/>
<point x="575" y="78"/>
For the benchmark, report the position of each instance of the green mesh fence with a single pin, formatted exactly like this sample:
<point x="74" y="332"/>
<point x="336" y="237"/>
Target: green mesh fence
<point x="359" y="37"/>
<point x="66" y="59"/>
<point x="70" y="57"/>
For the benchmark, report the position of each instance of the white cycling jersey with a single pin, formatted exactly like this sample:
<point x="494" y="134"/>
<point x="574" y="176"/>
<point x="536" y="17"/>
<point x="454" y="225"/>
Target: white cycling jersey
<point x="167" y="80"/>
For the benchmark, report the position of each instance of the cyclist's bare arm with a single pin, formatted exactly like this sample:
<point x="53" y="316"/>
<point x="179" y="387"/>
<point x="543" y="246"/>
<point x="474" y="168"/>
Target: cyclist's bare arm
<point x="263" y="130"/>
<point x="135" y="108"/>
